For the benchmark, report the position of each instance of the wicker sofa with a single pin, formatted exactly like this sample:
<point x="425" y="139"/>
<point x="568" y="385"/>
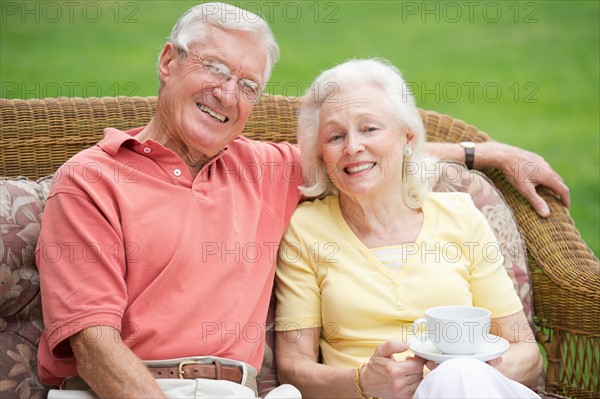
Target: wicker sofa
<point x="39" y="135"/>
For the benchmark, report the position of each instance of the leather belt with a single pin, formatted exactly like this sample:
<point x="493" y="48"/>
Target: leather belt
<point x="193" y="370"/>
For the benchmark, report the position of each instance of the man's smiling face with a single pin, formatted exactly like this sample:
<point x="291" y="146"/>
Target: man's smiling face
<point x="199" y="113"/>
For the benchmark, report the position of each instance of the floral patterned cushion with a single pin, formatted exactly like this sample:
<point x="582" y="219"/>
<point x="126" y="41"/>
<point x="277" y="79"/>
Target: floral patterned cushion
<point x="21" y="206"/>
<point x="20" y="215"/>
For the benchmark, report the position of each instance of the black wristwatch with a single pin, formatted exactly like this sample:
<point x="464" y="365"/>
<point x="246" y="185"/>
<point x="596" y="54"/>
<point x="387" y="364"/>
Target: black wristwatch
<point x="469" y="147"/>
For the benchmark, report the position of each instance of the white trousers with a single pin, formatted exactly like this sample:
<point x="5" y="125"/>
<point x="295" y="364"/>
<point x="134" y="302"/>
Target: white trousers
<point x="469" y="378"/>
<point x="192" y="389"/>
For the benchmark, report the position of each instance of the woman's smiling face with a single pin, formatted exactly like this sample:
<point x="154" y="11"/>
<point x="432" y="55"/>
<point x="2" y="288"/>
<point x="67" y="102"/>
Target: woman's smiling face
<point x="361" y="142"/>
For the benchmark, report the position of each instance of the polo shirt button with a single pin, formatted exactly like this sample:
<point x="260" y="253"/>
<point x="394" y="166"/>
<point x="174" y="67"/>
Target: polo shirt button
<point x="147" y="150"/>
<point x="177" y="172"/>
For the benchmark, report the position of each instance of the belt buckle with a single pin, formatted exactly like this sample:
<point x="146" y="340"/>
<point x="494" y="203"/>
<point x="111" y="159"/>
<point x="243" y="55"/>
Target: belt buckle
<point x="180" y="371"/>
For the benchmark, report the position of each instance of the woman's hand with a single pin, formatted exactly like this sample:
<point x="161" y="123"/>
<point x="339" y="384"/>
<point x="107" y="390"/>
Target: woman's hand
<point x="385" y="377"/>
<point x="382" y="376"/>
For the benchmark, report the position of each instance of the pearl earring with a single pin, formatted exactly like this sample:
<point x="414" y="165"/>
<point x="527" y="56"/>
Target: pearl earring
<point x="407" y="151"/>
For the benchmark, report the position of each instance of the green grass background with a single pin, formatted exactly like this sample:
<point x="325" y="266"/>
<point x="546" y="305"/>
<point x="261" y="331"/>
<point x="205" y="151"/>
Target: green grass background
<point x="526" y="72"/>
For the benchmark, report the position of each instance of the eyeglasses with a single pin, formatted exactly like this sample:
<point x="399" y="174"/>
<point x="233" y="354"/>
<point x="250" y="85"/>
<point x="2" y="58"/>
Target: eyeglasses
<point x="221" y="73"/>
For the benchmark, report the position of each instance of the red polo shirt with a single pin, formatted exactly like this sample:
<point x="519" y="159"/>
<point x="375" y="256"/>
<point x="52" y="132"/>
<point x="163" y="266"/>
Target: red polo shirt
<point x="180" y="266"/>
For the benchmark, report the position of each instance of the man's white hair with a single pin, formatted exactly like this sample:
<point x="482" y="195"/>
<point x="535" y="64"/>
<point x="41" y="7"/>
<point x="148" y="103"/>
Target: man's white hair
<point x="191" y="28"/>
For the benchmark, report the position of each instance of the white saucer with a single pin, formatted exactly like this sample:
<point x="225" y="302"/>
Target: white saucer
<point x="492" y="348"/>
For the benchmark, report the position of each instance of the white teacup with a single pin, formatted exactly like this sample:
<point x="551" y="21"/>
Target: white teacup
<point x="455" y="330"/>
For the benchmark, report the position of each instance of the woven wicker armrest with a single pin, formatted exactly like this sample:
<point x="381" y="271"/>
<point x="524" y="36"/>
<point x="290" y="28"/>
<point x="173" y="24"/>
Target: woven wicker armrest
<point x="565" y="277"/>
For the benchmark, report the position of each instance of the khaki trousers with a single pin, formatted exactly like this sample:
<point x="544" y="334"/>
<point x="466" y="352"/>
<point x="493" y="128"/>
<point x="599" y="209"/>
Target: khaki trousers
<point x="192" y="389"/>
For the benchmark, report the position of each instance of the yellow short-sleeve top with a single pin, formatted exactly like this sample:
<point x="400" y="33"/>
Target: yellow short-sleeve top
<point x="326" y="277"/>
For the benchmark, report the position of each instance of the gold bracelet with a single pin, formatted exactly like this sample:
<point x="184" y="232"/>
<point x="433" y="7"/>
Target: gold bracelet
<point x="357" y="381"/>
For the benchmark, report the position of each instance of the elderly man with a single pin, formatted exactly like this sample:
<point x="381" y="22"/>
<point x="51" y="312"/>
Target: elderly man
<point x="169" y="273"/>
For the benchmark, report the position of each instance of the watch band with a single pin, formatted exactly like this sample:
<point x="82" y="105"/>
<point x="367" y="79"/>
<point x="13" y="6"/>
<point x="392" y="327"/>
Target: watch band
<point x="469" y="154"/>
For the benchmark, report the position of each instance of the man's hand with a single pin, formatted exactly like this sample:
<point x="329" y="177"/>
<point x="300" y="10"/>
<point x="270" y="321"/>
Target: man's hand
<point x="109" y="367"/>
<point x="524" y="170"/>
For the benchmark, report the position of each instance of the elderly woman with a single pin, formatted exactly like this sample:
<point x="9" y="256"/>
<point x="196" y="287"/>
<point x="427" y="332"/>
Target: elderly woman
<point x="365" y="258"/>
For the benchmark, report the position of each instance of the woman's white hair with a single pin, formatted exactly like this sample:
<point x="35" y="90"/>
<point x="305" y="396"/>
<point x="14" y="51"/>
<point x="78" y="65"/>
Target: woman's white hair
<point x="191" y="28"/>
<point x="396" y="98"/>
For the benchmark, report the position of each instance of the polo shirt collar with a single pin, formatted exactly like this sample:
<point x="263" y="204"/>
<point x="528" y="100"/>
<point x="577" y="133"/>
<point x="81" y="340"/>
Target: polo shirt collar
<point x="114" y="139"/>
